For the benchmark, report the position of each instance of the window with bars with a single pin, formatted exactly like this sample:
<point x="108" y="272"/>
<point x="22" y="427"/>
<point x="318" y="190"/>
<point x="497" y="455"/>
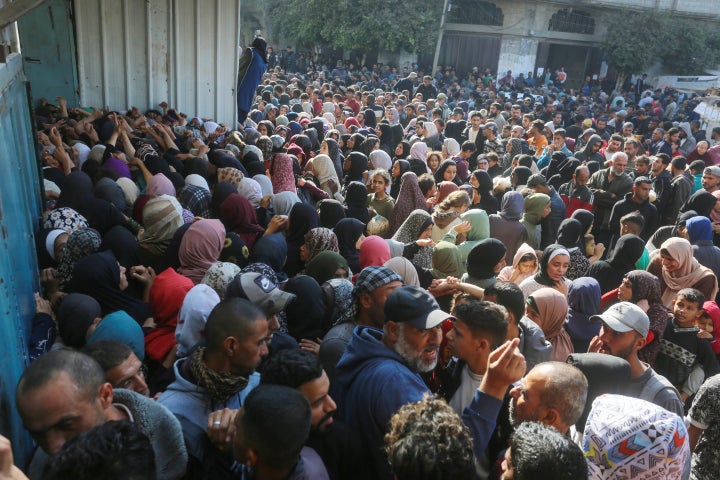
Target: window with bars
<point x="572" y="21"/>
<point x="475" y="12"/>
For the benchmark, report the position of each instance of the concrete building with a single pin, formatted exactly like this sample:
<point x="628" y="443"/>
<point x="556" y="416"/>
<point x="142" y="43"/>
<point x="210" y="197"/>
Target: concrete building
<point x="523" y="36"/>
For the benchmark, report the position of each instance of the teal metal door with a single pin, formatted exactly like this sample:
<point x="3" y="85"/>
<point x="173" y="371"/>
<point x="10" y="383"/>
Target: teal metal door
<point x="20" y="210"/>
<point x="47" y="44"/>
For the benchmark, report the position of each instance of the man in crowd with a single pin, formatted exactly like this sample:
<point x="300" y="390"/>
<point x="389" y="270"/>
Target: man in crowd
<point x="637" y="200"/>
<point x="575" y="194"/>
<point x="608" y="186"/>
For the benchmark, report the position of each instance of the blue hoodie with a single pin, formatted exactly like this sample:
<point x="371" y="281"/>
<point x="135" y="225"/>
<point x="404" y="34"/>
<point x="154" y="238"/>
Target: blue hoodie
<point x="371" y="383"/>
<point x="699" y="230"/>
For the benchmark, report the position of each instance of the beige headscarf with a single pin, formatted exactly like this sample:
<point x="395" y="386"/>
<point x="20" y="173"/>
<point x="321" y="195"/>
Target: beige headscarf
<point x="689" y="272"/>
<point x="553" y="308"/>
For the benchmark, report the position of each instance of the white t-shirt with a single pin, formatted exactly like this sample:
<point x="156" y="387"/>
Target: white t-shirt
<point x="466" y="391"/>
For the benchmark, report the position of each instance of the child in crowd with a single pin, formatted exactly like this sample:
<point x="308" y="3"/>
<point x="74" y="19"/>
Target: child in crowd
<point x="379" y="200"/>
<point x="525" y="265"/>
<point x="682" y="349"/>
<point x="709" y="325"/>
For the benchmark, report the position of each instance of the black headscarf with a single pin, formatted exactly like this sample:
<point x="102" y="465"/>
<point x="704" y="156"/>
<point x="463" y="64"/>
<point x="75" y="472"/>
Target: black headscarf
<point x="272" y="251"/>
<point x="221" y="192"/>
<point x="302" y="219"/>
<point x="483" y="258"/>
<point x="348" y="231"/>
<point x="395" y="187"/>
<point x="488" y="202"/>
<point x="305" y="317"/>
<point x="331" y="212"/>
<point x="77" y="193"/>
<point x="628" y="250"/>
<point x="522" y="174"/>
<point x="441" y="171"/>
<point x="356" y="201"/>
<point x="541" y="276"/>
<point x="358" y="166"/>
<point x="701" y="201"/>
<point x="570" y="233"/>
<point x="98" y="275"/>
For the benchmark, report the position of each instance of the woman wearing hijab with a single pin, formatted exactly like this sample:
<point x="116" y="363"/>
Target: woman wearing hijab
<point x="609" y="273"/>
<point x="356" y="164"/>
<point x="356" y="201"/>
<point x="166" y="296"/>
<point x="554" y="263"/>
<point x="524" y="265"/>
<point x="197" y="200"/>
<point x="200" y="248"/>
<point x="221" y="191"/>
<point x="479" y="230"/>
<point x="271" y="250"/>
<point x="402" y="151"/>
<point x="446" y="262"/>
<point x="239" y="216"/>
<point x="417" y="158"/>
<point x="519" y="178"/>
<point x="447" y="172"/>
<point x="306" y="319"/>
<point x="66" y="219"/>
<point x="514" y="148"/>
<point x="409" y="198"/>
<point x="324" y="170"/>
<point x="219" y="276"/>
<point x="282" y="174"/>
<point x="327" y="265"/>
<point x="505" y="225"/>
<point x="100" y="276"/>
<point x="349" y="232"/>
<point x="484" y="263"/>
<point x="374" y="252"/>
<point x="483" y="197"/>
<point x="537" y="207"/>
<point x="584" y="302"/>
<point x="301" y="220"/>
<point x="283" y="202"/>
<point x="331" y="148"/>
<point x="414" y="234"/>
<point x="79" y="245"/>
<point x="106" y="189"/>
<point x="569" y="235"/>
<point x="676" y="269"/>
<point x="643" y="289"/>
<point x="548" y="308"/>
<point x="77" y="194"/>
<point x="398" y="170"/>
<point x="330" y="212"/>
<point x="318" y="240"/>
<point x="702" y="202"/>
<point x="251" y="190"/>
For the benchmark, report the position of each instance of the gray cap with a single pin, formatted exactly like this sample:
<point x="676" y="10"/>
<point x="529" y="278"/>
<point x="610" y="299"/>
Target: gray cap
<point x="625" y="317"/>
<point x="536" y="179"/>
<point x="712" y="170"/>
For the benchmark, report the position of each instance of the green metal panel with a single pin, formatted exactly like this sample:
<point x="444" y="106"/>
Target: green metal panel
<point x="47" y="43"/>
<point x="20" y="208"/>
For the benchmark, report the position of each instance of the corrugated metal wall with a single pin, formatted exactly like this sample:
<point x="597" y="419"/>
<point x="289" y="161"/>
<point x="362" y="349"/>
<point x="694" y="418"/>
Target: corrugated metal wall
<point x="143" y="52"/>
<point x="19" y="217"/>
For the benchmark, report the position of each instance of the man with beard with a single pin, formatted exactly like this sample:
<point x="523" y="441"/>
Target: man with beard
<point x="379" y="371"/>
<point x="553" y="393"/>
<point x="332" y="441"/>
<point x="623" y="333"/>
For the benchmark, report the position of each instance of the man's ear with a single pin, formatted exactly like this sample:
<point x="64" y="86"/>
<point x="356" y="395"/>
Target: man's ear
<point x="105" y="395"/>
<point x="365" y="300"/>
<point x="252" y="458"/>
<point x="393" y="330"/>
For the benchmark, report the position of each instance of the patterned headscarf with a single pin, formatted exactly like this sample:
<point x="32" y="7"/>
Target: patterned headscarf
<point x="409" y="198"/>
<point x="219" y="276"/>
<point x="231" y="175"/>
<point x="197" y="200"/>
<point x="282" y="174"/>
<point x="65" y="218"/>
<point x="410" y="231"/>
<point x="631" y="438"/>
<point x="319" y="239"/>
<point x="80" y="244"/>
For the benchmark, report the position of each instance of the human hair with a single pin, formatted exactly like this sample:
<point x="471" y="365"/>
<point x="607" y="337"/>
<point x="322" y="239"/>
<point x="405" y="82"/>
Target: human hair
<point x="108" y="353"/>
<point x="83" y="370"/>
<point x="664" y="158"/>
<point x="509" y="296"/>
<point x="276" y="424"/>
<point x="524" y="160"/>
<point x="582" y="168"/>
<point x="679" y="163"/>
<point x="378" y="225"/>
<point x="560" y="131"/>
<point x="460" y="298"/>
<point x="492" y="156"/>
<point x="616" y="137"/>
<point x="673" y="131"/>
<point x="634" y="221"/>
<point x="475" y="113"/>
<point x="115" y="450"/>
<point x="640" y="180"/>
<point x="640" y="158"/>
<point x="691" y="295"/>
<point x="540" y="451"/>
<point x="633" y="142"/>
<point x="384" y="174"/>
<point x="291" y="368"/>
<point x="565" y="390"/>
<point x="468" y="146"/>
<point x="231" y="317"/>
<point x="485" y="319"/>
<point x="456" y="199"/>
<point x="426" y="182"/>
<point x="428" y="441"/>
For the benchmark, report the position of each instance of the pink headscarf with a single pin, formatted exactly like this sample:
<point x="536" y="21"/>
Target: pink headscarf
<point x="281" y="170"/>
<point x="553" y="308"/>
<point x="374" y="252"/>
<point x="158" y="185"/>
<point x="200" y="248"/>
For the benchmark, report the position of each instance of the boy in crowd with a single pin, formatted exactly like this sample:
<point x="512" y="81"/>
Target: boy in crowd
<point x="681" y="350"/>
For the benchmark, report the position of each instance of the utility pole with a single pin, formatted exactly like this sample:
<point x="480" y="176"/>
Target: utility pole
<point x="440" y="37"/>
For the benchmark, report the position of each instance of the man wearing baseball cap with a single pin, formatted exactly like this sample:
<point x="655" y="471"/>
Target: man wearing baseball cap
<point x="711" y="178"/>
<point x="379" y="373"/>
<point x="625" y="327"/>
<point x="371" y="290"/>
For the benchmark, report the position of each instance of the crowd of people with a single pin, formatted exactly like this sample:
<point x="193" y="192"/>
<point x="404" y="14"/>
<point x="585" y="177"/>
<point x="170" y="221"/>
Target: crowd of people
<point x="379" y="274"/>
